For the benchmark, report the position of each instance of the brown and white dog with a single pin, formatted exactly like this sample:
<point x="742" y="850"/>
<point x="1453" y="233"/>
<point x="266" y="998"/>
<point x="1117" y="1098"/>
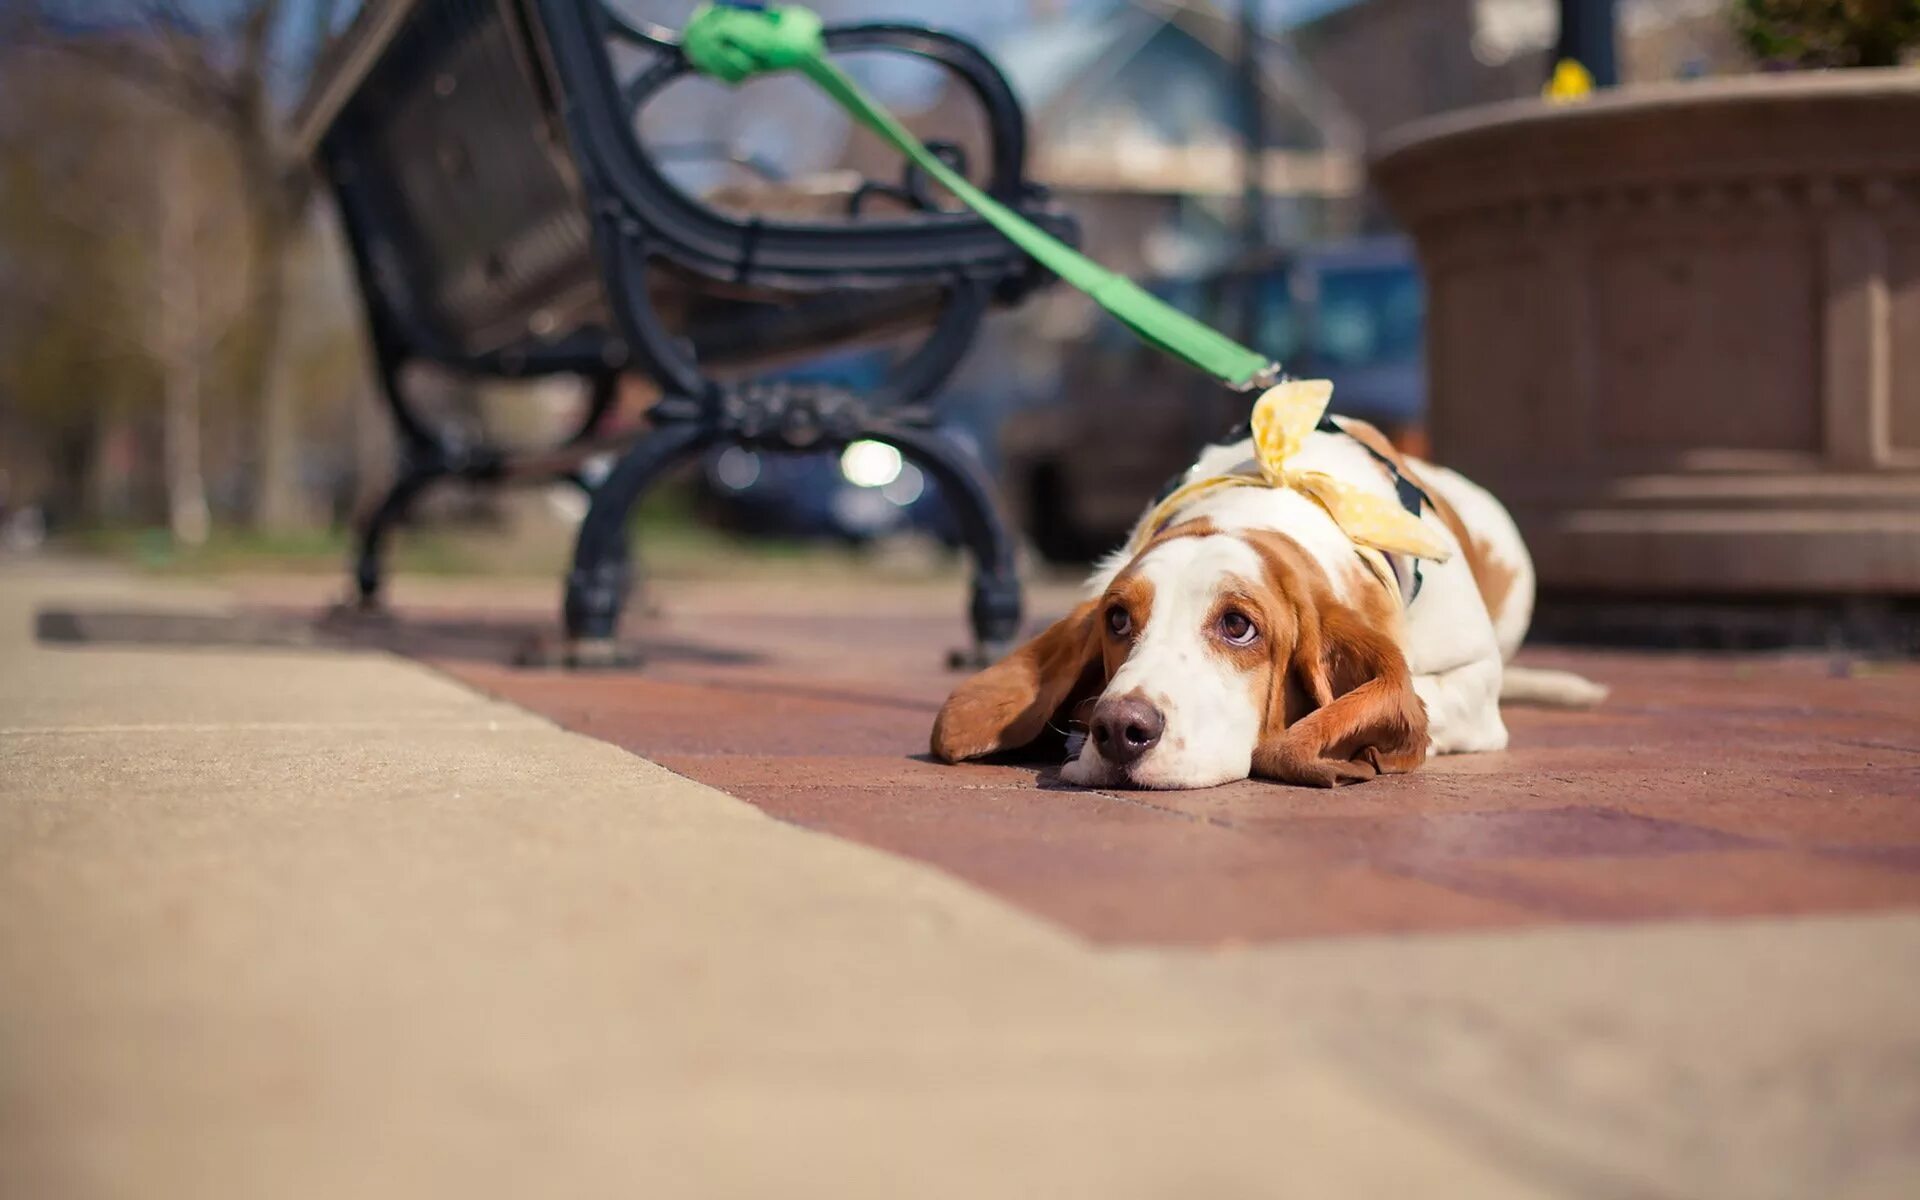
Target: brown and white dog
<point x="1249" y="637"/>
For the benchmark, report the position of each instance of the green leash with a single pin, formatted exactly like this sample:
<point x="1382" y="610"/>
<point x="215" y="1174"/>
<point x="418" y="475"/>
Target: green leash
<point x="734" y="44"/>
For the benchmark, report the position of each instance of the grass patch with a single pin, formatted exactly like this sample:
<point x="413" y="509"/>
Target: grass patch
<point x="667" y="544"/>
<point x="670" y="542"/>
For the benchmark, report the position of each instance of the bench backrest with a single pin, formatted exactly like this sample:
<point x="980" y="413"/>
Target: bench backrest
<point x="454" y="182"/>
<point x="504" y="215"/>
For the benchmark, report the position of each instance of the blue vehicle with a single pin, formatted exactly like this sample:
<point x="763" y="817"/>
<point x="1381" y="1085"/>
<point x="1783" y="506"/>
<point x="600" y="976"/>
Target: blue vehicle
<point x="1362" y="311"/>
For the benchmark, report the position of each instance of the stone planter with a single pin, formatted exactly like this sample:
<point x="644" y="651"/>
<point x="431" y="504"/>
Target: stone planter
<point x="1677" y="329"/>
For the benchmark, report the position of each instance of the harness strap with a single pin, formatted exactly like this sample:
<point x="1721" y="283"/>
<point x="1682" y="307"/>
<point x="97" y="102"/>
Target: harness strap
<point x="1412" y="497"/>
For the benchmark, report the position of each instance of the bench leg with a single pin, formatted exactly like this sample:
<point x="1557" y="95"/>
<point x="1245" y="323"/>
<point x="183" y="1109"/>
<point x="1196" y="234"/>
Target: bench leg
<point x="994" y="609"/>
<point x="426" y="459"/>
<point x="601" y="577"/>
<point x="369" y="570"/>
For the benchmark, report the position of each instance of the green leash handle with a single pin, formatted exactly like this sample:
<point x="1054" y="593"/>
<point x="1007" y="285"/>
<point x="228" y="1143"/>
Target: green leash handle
<point x="733" y="44"/>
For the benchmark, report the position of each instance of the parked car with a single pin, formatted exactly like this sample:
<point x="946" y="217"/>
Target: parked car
<point x="1128" y="418"/>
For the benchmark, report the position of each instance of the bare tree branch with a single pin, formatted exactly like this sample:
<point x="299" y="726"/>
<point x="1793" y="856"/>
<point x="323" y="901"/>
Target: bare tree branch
<point x="320" y="28"/>
<point x="148" y="64"/>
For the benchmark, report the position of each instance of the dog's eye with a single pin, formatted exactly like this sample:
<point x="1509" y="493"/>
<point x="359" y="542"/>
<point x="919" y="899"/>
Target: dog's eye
<point x="1236" y="627"/>
<point x="1118" y="621"/>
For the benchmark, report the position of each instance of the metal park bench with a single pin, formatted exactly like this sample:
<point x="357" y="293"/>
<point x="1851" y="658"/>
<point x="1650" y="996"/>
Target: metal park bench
<point x="507" y="221"/>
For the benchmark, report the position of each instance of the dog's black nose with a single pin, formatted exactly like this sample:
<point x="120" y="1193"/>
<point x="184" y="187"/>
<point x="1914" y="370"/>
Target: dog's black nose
<point x="1126" y="727"/>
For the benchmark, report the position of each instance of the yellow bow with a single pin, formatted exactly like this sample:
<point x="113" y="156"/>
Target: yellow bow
<point x="1283" y="418"/>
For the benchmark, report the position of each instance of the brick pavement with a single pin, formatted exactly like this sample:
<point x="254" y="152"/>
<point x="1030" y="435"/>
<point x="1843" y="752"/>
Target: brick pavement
<point x="1707" y="786"/>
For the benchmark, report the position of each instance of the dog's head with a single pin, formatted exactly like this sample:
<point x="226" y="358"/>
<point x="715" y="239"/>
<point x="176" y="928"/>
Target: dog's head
<point x="1209" y="657"/>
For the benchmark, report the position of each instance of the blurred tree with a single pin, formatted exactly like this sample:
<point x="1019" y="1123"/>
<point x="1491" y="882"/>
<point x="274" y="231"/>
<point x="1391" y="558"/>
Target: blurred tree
<point x="125" y="250"/>
<point x="1815" y="34"/>
<point x="226" y="65"/>
<point x="194" y="304"/>
<point x="64" y="366"/>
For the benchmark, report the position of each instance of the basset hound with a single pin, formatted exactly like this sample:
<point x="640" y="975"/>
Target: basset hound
<point x="1244" y="631"/>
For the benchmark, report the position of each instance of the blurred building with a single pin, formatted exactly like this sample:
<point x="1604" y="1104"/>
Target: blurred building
<point x="1139" y="123"/>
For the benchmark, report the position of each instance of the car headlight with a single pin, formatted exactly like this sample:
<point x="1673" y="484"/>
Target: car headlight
<point x="870" y="464"/>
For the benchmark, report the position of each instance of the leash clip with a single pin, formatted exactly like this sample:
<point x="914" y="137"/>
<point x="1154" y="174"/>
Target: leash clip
<point x="1268" y="376"/>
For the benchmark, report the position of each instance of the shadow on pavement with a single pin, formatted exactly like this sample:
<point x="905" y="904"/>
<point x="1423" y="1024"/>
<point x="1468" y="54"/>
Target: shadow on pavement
<point x="507" y="640"/>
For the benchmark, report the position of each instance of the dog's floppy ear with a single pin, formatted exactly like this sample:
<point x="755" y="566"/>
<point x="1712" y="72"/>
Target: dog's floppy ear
<point x="1358" y="715"/>
<point x="1009" y="704"/>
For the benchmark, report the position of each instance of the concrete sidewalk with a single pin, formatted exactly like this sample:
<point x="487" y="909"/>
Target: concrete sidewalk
<point x="326" y="923"/>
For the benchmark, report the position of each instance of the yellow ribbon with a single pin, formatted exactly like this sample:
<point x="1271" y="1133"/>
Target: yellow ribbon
<point x="1283" y="418"/>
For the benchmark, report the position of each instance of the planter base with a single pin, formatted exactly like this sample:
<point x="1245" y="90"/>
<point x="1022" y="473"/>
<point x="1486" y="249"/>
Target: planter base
<point x="1851" y="627"/>
<point x="1836" y="532"/>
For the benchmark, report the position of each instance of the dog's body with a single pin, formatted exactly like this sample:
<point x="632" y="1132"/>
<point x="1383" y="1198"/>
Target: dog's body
<point x="1248" y="635"/>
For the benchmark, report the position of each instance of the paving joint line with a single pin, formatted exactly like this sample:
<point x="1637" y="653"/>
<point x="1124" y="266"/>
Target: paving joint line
<point x="1202" y="818"/>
